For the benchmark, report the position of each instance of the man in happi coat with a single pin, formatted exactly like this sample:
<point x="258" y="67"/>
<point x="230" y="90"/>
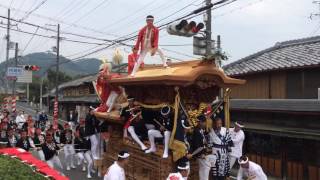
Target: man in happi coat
<point x="221" y="141"/>
<point x="148" y="39"/>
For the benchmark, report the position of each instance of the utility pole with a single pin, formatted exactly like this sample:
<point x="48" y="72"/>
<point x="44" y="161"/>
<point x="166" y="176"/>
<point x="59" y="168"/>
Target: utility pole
<point x="15" y="65"/>
<point x="207" y="20"/>
<point x="7" y="52"/>
<point x="57" y="68"/>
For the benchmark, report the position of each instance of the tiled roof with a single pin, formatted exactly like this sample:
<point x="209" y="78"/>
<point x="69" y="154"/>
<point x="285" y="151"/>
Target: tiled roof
<point x="93" y="98"/>
<point x="283" y="55"/>
<point x="293" y="105"/>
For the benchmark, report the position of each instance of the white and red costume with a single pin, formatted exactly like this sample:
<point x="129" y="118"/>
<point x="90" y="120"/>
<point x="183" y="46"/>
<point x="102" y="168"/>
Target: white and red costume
<point x="107" y="92"/>
<point x="132" y="60"/>
<point x="148" y="39"/>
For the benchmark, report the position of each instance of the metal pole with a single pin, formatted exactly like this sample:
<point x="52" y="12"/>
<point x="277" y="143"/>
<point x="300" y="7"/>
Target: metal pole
<point x="57" y="68"/>
<point x="15" y="65"/>
<point x="7" y="52"/>
<point x="208" y="29"/>
<point x="28" y="93"/>
<point x="41" y="85"/>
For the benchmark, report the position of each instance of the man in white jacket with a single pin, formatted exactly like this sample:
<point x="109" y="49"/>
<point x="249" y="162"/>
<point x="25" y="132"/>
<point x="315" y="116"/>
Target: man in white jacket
<point x="116" y="170"/>
<point x="250" y="170"/>
<point x="20" y="120"/>
<point x="237" y="137"/>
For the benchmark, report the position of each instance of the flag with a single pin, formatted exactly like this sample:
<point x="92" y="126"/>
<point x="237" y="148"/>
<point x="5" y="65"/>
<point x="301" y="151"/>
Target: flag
<point x="217" y="111"/>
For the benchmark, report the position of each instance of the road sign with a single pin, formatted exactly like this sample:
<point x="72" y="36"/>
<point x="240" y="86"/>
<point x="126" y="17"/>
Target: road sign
<point x="26" y="77"/>
<point x="12" y="78"/>
<point x="14" y="71"/>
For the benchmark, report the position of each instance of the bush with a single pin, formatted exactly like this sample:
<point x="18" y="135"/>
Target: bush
<point x="13" y="169"/>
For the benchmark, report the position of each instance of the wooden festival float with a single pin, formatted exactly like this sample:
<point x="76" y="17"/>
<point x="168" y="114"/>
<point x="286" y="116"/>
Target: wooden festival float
<point x="193" y="83"/>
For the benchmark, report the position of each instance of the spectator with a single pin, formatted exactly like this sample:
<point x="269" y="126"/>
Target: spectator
<point x="20" y="120"/>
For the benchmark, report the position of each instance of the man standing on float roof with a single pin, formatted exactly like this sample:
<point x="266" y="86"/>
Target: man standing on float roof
<point x="148" y="39"/>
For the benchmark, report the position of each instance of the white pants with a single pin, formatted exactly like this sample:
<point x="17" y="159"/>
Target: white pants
<point x="55" y="162"/>
<point x="96" y="145"/>
<point x="68" y="154"/>
<point x="205" y="165"/>
<point x="111" y="100"/>
<point x="232" y="161"/>
<point x="157" y="134"/>
<point x="86" y="156"/>
<point x="136" y="138"/>
<point x="149" y="126"/>
<point x="41" y="155"/>
<point x="143" y="54"/>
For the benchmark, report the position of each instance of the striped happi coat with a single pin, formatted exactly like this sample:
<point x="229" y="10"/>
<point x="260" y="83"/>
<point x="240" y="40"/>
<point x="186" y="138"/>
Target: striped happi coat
<point x="221" y="143"/>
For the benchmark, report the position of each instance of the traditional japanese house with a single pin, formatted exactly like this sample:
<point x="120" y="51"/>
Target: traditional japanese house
<point x="190" y="82"/>
<point x="280" y="107"/>
<point x="78" y="95"/>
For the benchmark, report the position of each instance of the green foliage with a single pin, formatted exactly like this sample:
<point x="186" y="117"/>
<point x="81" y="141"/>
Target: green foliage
<point x="48" y="84"/>
<point x="13" y="169"/>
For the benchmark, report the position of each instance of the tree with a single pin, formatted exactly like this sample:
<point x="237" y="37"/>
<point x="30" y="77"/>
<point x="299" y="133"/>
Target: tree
<point x="49" y="82"/>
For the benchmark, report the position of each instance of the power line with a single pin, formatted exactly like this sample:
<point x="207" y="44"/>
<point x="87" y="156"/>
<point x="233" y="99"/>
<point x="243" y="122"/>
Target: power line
<point x="180" y="53"/>
<point x="33" y="10"/>
<point x="192" y="3"/>
<point x="19" y="8"/>
<point x="153" y="11"/>
<point x="53" y="30"/>
<point x="91" y="11"/>
<point x="75" y="9"/>
<point x="66" y="7"/>
<point x="30" y="40"/>
<point x="121" y="41"/>
<point x="52" y="37"/>
<point x="11" y="3"/>
<point x="59" y="21"/>
<point x="126" y="17"/>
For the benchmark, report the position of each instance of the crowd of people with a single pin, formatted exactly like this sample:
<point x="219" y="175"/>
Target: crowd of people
<point x="216" y="148"/>
<point x="81" y="142"/>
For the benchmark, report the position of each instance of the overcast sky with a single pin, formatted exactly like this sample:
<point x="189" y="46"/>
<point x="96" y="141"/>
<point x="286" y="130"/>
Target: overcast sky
<point x="245" y="26"/>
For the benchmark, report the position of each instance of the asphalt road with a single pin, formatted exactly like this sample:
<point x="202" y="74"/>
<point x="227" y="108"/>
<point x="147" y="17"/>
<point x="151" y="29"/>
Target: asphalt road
<point x="73" y="174"/>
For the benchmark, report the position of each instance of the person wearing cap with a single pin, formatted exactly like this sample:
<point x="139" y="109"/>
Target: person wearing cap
<point x="183" y="171"/>
<point x="132" y="60"/>
<point x="116" y="170"/>
<point x="147" y="41"/>
<point x="200" y="148"/>
<point x="250" y="170"/>
<point x="221" y="142"/>
<point x="68" y="148"/>
<point x="50" y="150"/>
<point x="237" y="137"/>
<point x="164" y="126"/>
<point x="131" y="114"/>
